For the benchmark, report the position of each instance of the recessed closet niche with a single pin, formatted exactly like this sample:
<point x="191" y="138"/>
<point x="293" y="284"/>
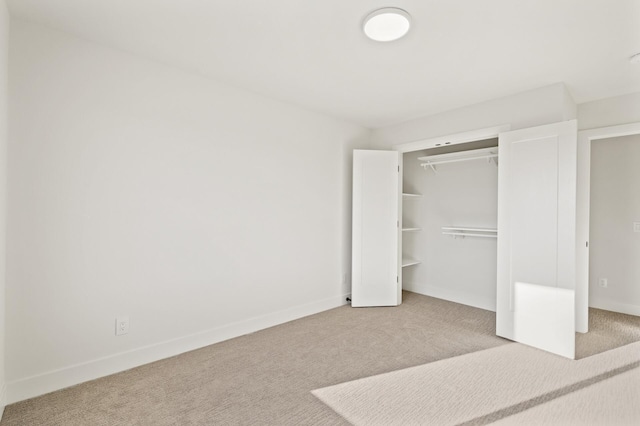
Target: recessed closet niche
<point x="443" y="243"/>
<point x="449" y="222"/>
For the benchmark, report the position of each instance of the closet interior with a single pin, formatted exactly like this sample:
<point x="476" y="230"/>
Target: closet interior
<point x="449" y="222"/>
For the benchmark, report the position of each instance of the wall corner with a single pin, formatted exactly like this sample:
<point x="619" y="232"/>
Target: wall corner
<point x="569" y="106"/>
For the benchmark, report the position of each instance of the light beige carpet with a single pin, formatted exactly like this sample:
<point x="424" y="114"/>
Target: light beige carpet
<point x="496" y="384"/>
<point x="613" y="401"/>
<point x="266" y="378"/>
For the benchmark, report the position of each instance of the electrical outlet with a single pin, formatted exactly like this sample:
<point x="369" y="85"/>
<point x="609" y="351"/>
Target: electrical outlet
<point x="604" y="283"/>
<point x="636" y="226"/>
<point x="122" y="325"/>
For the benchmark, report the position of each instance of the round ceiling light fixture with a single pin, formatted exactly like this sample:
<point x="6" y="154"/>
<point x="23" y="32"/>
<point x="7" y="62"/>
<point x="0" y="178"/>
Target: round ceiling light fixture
<point x="635" y="59"/>
<point x="387" y="24"/>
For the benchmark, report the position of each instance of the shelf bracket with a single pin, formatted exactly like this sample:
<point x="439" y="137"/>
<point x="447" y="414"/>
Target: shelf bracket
<point x="433" y="167"/>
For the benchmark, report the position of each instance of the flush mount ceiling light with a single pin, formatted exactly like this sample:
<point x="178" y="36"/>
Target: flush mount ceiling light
<point x="386" y="24"/>
<point x="635" y="59"/>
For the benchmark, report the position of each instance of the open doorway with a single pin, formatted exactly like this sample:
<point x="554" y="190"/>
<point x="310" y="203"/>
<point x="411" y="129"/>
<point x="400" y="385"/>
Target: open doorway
<point x="614" y="225"/>
<point x="611" y="273"/>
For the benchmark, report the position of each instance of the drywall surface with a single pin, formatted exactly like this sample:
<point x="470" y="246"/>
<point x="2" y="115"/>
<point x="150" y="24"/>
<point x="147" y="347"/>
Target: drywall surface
<point x="198" y="210"/>
<point x="615" y="206"/>
<point x="609" y="112"/>
<point x="545" y="105"/>
<point x="461" y="194"/>
<point x="4" y="71"/>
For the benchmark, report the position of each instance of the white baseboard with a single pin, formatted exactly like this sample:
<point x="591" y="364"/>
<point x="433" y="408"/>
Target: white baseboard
<point x="3" y="398"/>
<point x="456" y="296"/>
<point x="40" y="384"/>
<point x="608" y="305"/>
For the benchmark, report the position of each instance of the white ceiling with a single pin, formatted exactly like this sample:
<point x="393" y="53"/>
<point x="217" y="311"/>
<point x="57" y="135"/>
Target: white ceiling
<point x="312" y="52"/>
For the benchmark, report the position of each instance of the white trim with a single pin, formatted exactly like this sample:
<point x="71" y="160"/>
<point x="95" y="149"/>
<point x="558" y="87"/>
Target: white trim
<point x="623" y="308"/>
<point x="456" y="296"/>
<point x="454" y="139"/>
<point x="585" y="137"/>
<point x="610" y="132"/>
<point x="3" y="398"/>
<point x="50" y="381"/>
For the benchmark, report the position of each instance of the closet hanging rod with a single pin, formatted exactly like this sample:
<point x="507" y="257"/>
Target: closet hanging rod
<point x="454" y="157"/>
<point x="457" y="160"/>
<point x="467" y="234"/>
<point x="462" y="231"/>
<point x="457" y="228"/>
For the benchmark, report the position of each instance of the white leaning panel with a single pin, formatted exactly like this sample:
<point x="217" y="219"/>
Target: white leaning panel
<point x="544" y="317"/>
<point x="536" y="221"/>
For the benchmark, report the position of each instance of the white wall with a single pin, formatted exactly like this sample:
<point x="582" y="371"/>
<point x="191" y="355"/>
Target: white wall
<point x="199" y="210"/>
<point x="465" y="194"/>
<point x="545" y="105"/>
<point x="609" y="112"/>
<point x="4" y="52"/>
<point x="615" y="205"/>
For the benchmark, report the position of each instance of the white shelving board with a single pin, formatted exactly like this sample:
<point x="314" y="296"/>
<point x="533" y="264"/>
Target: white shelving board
<point x="407" y="196"/>
<point x="407" y="261"/>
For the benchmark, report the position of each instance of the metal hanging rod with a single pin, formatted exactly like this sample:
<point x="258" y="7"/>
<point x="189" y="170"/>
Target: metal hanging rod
<point x="454" y="157"/>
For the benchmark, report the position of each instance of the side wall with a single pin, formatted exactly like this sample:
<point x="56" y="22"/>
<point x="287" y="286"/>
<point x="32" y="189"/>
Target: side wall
<point x="615" y="206"/>
<point x="4" y="54"/>
<point x="609" y="112"/>
<point x="200" y="211"/>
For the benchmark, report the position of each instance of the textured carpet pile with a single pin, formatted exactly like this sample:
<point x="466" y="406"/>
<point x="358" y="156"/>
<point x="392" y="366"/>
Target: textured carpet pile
<point x="501" y="383"/>
<point x="267" y="377"/>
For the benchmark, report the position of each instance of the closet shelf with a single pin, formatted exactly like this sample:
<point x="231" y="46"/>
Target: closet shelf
<point x="407" y="261"/>
<point x="454" y="157"/>
<point x="459" y="231"/>
<point x="408" y="196"/>
<point x="411" y="229"/>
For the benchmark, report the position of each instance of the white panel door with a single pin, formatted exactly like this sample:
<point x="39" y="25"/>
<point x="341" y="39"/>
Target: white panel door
<point x="376" y="215"/>
<point x="537" y="237"/>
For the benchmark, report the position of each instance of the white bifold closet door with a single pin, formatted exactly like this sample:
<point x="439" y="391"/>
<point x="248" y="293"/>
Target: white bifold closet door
<point x="376" y="245"/>
<point x="536" y="234"/>
<point x="536" y="237"/>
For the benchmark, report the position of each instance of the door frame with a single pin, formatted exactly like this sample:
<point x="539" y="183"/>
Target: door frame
<point x="452" y="139"/>
<point x="585" y="137"/>
<point x="436" y="142"/>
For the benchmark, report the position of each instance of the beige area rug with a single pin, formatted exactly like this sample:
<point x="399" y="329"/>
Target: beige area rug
<point x="509" y="384"/>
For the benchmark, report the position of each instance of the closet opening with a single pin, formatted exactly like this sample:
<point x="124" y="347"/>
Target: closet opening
<point x="449" y="222"/>
<point x="426" y="218"/>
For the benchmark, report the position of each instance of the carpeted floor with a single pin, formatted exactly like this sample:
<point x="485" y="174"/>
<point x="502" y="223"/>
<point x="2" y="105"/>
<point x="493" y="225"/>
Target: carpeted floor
<point x="607" y="330"/>
<point x="497" y="384"/>
<point x="267" y="377"/>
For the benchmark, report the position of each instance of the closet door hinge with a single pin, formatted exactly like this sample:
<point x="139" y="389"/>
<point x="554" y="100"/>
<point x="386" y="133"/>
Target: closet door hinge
<point x="398" y="168"/>
<point x="397" y="280"/>
<point x="397" y="224"/>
